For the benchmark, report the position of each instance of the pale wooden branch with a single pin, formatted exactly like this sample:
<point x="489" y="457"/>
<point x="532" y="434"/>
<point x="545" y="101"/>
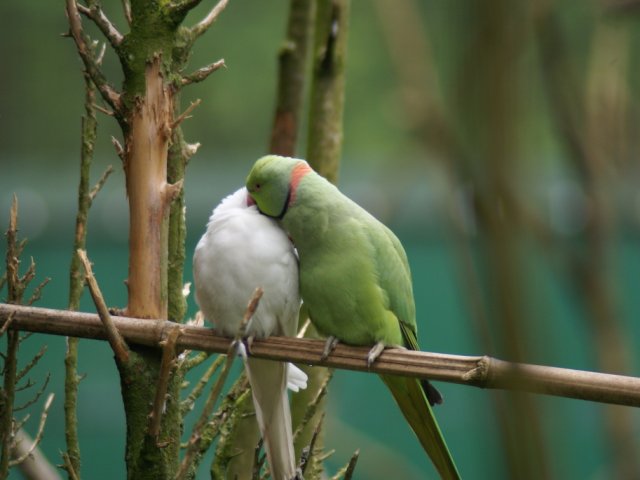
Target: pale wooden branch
<point x="108" y="29"/>
<point x="202" y="26"/>
<point x="202" y="73"/>
<point x="118" y="344"/>
<point x="477" y="371"/>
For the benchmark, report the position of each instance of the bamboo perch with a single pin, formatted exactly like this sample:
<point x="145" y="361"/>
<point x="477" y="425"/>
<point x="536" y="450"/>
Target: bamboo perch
<point x="478" y="371"/>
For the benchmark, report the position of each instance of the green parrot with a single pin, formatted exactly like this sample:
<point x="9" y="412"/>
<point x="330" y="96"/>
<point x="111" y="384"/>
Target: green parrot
<point x="354" y="280"/>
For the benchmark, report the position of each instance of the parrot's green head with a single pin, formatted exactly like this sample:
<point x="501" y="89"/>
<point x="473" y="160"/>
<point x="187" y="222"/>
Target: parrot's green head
<point x="273" y="181"/>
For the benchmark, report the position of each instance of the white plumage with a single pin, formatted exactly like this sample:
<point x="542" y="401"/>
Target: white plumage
<point x="242" y="250"/>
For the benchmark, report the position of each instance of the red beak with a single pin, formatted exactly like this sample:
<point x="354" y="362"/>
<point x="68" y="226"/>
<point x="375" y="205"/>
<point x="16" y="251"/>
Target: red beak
<point x="250" y="201"/>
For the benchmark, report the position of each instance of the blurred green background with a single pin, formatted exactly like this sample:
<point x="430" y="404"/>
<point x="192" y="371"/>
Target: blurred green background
<point x="498" y="139"/>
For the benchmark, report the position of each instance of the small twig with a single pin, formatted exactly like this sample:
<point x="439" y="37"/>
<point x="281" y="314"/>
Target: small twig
<point x="307" y="452"/>
<point x="119" y="150"/>
<point x="207" y="21"/>
<point x="36" y="441"/>
<point x="110" y="95"/>
<point x="167" y="364"/>
<point x="106" y="111"/>
<point x="7" y="324"/>
<point x="108" y="29"/>
<point x="346" y="472"/>
<point x="37" y="292"/>
<point x="186" y="113"/>
<point x="36" y="358"/>
<point x="118" y="344"/>
<point x="188" y="363"/>
<point x="313" y="405"/>
<point x="100" y="183"/>
<point x="126" y="7"/>
<point x="188" y="403"/>
<point x="202" y="73"/>
<point x="36" y="397"/>
<point x="68" y="466"/>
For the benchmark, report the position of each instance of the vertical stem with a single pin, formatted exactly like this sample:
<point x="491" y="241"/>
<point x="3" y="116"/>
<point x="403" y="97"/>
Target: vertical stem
<point x="292" y="69"/>
<point x="491" y="115"/>
<point x="76" y="277"/>
<point x="327" y="88"/>
<point x="7" y="396"/>
<point x="324" y="150"/>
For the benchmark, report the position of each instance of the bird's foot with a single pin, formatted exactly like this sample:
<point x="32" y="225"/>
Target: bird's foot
<point x="374" y="353"/>
<point x="329" y="346"/>
<point x="248" y="341"/>
<point x="243" y="346"/>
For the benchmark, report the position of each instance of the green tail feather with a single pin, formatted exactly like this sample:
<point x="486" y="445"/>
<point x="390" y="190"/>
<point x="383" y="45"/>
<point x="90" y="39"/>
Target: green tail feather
<point x="413" y="403"/>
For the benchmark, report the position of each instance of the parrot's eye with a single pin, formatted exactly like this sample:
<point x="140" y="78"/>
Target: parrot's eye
<point x="257" y="187"/>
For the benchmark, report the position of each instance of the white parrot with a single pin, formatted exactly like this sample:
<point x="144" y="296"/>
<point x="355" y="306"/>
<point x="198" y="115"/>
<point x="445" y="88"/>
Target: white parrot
<point x="241" y="250"/>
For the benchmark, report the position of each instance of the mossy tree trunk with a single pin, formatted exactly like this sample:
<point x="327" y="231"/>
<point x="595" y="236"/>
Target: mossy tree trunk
<point x="153" y="55"/>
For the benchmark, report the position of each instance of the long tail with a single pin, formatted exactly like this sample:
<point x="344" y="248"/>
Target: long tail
<point x="411" y="399"/>
<point x="269" y="387"/>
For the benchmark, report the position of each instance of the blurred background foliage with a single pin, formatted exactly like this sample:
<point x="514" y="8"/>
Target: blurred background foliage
<point x="497" y="138"/>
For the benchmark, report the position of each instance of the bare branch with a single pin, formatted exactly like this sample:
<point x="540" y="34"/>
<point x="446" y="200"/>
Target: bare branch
<point x="313" y="405"/>
<point x="183" y="5"/>
<point x="110" y="95"/>
<point x="36" y="441"/>
<point x="118" y="344"/>
<point x="98" y="16"/>
<point x="347" y="471"/>
<point x="308" y="451"/>
<point x="126" y="7"/>
<point x="36" y="466"/>
<point x="7" y="324"/>
<point x="36" y="358"/>
<point x="477" y="371"/>
<point x="207" y="21"/>
<point x="100" y="183"/>
<point x="106" y="111"/>
<point x="186" y="113"/>
<point x="119" y="150"/>
<point x="202" y="73"/>
<point x="37" y="292"/>
<point x="36" y="397"/>
<point x="68" y="466"/>
<point x="188" y="403"/>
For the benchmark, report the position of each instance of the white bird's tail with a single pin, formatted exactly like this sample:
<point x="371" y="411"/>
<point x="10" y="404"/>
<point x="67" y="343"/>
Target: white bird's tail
<point x="268" y="380"/>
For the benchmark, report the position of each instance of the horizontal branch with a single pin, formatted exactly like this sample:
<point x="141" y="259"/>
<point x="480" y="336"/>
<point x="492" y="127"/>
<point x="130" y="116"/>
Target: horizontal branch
<point x="479" y="371"/>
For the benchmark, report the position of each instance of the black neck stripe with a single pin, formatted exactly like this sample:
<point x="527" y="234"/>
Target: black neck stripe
<point x="285" y="207"/>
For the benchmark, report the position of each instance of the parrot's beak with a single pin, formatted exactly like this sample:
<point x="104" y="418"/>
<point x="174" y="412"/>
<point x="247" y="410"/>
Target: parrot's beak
<point x="250" y="201"/>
